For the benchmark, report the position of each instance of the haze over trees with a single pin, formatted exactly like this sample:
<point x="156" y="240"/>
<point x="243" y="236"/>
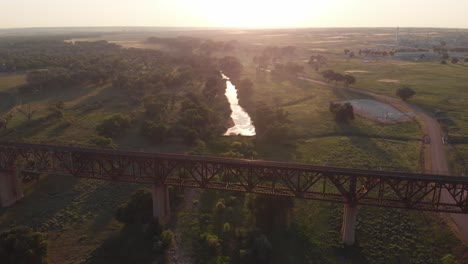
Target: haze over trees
<point x="173" y="99"/>
<point x="286" y="71"/>
<point x="182" y="94"/>
<point x="272" y="124"/>
<point x="231" y="66"/>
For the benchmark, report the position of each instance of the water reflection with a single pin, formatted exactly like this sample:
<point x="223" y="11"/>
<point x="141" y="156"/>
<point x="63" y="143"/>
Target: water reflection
<point x="242" y="122"/>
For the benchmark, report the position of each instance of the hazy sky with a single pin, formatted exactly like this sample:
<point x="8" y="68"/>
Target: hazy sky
<point x="234" y="13"/>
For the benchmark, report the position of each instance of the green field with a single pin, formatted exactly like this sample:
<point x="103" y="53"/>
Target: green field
<point x="78" y="215"/>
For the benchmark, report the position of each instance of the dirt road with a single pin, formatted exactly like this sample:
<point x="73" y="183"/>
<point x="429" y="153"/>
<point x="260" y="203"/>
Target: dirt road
<point x="438" y="156"/>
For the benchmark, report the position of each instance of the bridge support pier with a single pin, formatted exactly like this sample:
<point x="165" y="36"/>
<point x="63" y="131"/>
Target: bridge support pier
<point x="348" y="230"/>
<point x="161" y="204"/>
<point x="10" y="189"/>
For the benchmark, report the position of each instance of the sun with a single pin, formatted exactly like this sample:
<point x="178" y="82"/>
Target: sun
<point x="261" y="13"/>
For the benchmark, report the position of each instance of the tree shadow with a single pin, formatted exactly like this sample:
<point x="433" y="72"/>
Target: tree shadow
<point x="49" y="196"/>
<point x="30" y="128"/>
<point x="57" y="94"/>
<point x="130" y="245"/>
<point x="285" y="151"/>
<point x="106" y="195"/>
<point x="59" y="129"/>
<point x="98" y="100"/>
<point x="370" y="146"/>
<point x="7" y="101"/>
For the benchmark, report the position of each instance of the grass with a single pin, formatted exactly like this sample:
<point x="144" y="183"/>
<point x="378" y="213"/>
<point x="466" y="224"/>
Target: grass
<point x="312" y="118"/>
<point x="383" y="235"/>
<point x="8" y="82"/>
<point x="360" y="152"/>
<point x="458" y="159"/>
<point x="76" y="214"/>
<point x="437" y="86"/>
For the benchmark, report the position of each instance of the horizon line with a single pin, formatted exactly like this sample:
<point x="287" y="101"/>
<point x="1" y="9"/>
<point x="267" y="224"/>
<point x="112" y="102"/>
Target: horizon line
<point x="232" y="27"/>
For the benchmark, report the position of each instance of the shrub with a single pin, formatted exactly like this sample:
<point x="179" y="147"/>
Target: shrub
<point x="167" y="238"/>
<point x="103" y="142"/>
<point x="226" y="228"/>
<point x="23" y="245"/>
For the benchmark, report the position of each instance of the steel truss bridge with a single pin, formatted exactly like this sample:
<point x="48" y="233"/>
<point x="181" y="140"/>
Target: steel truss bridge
<point x="350" y="186"/>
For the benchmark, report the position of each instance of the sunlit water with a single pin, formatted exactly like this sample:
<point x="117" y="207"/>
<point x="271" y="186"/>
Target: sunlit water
<point x="242" y="122"/>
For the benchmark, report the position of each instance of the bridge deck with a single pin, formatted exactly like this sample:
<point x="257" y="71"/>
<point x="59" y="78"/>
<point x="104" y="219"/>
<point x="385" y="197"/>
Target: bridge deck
<point x="345" y="185"/>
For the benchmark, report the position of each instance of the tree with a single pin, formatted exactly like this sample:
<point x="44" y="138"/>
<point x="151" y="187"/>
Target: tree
<point x="214" y="87"/>
<point x="328" y="75"/>
<point x="113" y="126"/>
<point x="272" y="124"/>
<point x="244" y="92"/>
<point x="288" y="51"/>
<point x="28" y="113"/>
<point x="405" y="92"/>
<point x="57" y="109"/>
<point x="231" y="66"/>
<point x="449" y="259"/>
<point x="156" y="107"/>
<point x="5" y="120"/>
<point x="455" y="60"/>
<point x="284" y="71"/>
<point x="190" y="136"/>
<point x="342" y="112"/>
<point x="138" y="210"/>
<point x="262" y="250"/>
<point x="246" y="86"/>
<point x="349" y="80"/>
<point x="317" y="60"/>
<point x="154" y="132"/>
<point x="23" y="246"/>
<point x="264" y="207"/>
<point x="445" y="56"/>
<point x="103" y="142"/>
<point x="337" y="77"/>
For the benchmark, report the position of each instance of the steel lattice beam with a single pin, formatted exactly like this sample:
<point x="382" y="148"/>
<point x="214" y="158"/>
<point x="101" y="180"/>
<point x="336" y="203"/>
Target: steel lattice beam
<point x="343" y="185"/>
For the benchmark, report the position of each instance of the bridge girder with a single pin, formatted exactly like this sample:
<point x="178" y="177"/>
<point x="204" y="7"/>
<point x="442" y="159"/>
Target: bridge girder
<point x="349" y="186"/>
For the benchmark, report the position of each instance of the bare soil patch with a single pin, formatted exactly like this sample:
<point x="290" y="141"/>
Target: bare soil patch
<point x="318" y="49"/>
<point x="356" y="71"/>
<point x="389" y="81"/>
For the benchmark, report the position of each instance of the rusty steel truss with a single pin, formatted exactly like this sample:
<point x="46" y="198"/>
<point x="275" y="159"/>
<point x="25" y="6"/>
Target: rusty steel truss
<point x="426" y="192"/>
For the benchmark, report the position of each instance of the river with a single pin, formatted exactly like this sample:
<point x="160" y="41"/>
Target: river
<point x="242" y="122"/>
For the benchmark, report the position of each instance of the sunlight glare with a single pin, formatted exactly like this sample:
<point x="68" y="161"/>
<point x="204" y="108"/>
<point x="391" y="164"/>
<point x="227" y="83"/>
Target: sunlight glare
<point x="262" y="13"/>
